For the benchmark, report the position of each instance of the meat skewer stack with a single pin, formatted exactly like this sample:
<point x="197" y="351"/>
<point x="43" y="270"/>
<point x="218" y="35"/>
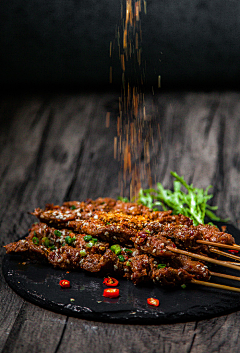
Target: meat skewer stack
<point x="106" y="236"/>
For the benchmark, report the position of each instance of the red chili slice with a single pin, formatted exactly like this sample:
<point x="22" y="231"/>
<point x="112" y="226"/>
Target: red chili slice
<point x="153" y="301"/>
<point x="110" y="282"/>
<point x="233" y="251"/>
<point x="64" y="283"/>
<point x="111" y="293"/>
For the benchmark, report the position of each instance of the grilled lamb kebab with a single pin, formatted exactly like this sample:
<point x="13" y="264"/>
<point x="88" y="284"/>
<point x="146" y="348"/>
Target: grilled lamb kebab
<point x="74" y="210"/>
<point x="77" y="251"/>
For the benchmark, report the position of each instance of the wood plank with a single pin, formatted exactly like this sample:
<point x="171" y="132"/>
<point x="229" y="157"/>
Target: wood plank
<point x="27" y="180"/>
<point x="35" y="330"/>
<point x="217" y="335"/>
<point x="103" y="337"/>
<point x="10" y="304"/>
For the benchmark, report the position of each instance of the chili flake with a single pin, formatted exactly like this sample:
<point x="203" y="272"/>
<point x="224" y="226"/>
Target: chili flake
<point x="233" y="251"/>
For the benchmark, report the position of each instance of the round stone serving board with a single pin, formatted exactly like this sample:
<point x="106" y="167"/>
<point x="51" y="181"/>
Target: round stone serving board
<point x="39" y="284"/>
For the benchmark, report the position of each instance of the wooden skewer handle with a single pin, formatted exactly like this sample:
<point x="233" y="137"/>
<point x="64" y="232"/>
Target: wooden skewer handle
<point x="222" y="275"/>
<point x="219" y="245"/>
<point x="204" y="258"/>
<point x="233" y="263"/>
<point x="215" y="285"/>
<point x="224" y="254"/>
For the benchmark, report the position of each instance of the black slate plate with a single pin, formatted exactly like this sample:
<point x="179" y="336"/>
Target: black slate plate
<point x="40" y="285"/>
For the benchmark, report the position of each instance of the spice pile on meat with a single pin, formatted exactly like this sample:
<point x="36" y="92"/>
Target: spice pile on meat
<point x="107" y="236"/>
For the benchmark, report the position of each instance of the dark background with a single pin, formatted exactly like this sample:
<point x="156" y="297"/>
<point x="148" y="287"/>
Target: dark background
<point x="66" y="43"/>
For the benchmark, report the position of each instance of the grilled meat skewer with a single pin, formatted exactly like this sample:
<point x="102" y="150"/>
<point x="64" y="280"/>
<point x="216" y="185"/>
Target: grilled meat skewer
<point x="98" y="257"/>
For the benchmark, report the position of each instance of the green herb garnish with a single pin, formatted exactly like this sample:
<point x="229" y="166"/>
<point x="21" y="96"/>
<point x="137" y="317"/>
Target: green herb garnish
<point x="121" y="258"/>
<point x="46" y="242"/>
<point x="35" y="240"/>
<point x="73" y="207"/>
<point x="123" y="199"/>
<point x="161" y="266"/>
<point x="192" y="203"/>
<point x="69" y="240"/>
<point x="87" y="237"/>
<point x="83" y="253"/>
<point x="90" y="244"/>
<point x="183" y="286"/>
<point x="116" y="248"/>
<point x="57" y="233"/>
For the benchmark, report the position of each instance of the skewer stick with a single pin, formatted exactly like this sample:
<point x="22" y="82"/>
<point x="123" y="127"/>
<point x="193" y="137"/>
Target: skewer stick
<point x="219" y="245"/>
<point x="234" y="257"/>
<point x="215" y="285"/>
<point x="222" y="275"/>
<point x="233" y="263"/>
<point x="204" y="258"/>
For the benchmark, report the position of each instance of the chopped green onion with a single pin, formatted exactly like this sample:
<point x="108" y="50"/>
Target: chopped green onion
<point x="35" y="240"/>
<point x="183" y="286"/>
<point x="116" y="249"/>
<point x="46" y="242"/>
<point x="57" y="233"/>
<point x="90" y="244"/>
<point x="108" y="223"/>
<point x="73" y="207"/>
<point x="128" y="251"/>
<point x="35" y="234"/>
<point x="52" y="247"/>
<point x="69" y="240"/>
<point x="121" y="258"/>
<point x="128" y="263"/>
<point x="161" y="266"/>
<point x="83" y="253"/>
<point x="87" y="237"/>
<point x="94" y="240"/>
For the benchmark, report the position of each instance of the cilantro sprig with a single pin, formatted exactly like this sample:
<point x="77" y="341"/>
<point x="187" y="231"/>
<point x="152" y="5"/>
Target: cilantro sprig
<point x="191" y="203"/>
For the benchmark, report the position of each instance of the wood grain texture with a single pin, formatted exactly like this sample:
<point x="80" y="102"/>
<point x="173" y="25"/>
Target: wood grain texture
<point x="56" y="147"/>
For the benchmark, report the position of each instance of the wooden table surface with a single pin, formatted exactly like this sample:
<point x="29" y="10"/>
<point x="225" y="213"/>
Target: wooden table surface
<point x="56" y="147"/>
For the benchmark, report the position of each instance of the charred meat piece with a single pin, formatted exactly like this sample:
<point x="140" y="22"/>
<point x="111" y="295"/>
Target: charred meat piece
<point x="55" y="214"/>
<point x="154" y="245"/>
<point x="212" y="233"/>
<point x="43" y="239"/>
<point x="71" y="258"/>
<point x="195" y="268"/>
<point x="169" y="276"/>
<point x="75" y="210"/>
<point x="135" y="268"/>
<point x="115" y="226"/>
